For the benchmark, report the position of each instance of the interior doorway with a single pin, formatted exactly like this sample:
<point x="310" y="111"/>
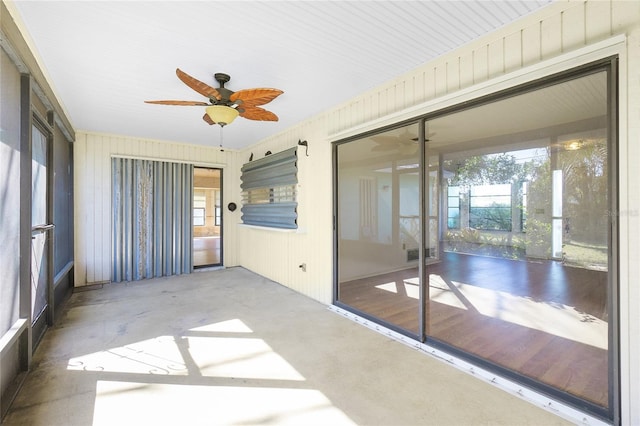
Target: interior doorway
<point x="207" y="217"/>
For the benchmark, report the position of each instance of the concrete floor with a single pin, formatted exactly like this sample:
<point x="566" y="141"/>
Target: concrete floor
<point x="229" y="347"/>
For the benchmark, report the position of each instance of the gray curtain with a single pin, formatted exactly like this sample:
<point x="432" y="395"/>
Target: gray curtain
<point x="152" y="230"/>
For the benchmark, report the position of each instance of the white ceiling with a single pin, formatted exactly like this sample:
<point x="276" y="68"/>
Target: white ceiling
<point x="104" y="59"/>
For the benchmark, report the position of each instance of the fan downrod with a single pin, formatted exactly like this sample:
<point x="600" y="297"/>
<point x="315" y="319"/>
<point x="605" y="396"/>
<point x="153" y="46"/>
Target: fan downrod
<point x="222" y="78"/>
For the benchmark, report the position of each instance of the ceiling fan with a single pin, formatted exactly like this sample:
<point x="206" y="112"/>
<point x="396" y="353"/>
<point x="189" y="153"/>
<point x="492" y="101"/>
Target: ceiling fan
<point x="225" y="105"/>
<point x="404" y="143"/>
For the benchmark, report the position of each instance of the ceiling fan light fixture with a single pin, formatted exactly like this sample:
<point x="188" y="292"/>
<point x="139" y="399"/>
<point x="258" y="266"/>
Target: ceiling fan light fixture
<point x="222" y="114"/>
<point x="574" y="145"/>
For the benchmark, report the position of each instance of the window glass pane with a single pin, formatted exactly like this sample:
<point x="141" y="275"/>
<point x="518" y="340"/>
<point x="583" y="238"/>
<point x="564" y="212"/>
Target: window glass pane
<point x="10" y="178"/>
<point x="453" y="207"/>
<point x="207" y="235"/>
<point x="532" y="302"/>
<point x="39" y="216"/>
<point x="198" y="217"/>
<point x="490" y="190"/>
<point x="453" y="221"/>
<point x="379" y="226"/>
<point x="490" y="201"/>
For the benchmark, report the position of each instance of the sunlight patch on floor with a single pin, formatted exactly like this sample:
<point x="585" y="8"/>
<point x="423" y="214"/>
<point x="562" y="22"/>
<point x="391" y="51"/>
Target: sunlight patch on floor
<point x="205" y="356"/>
<point x="239" y="357"/>
<point x="120" y="403"/>
<point x="390" y="287"/>
<point x="440" y="292"/>
<point x="153" y="356"/>
<point x="553" y="318"/>
<point x="230" y="326"/>
<point x="203" y="361"/>
<point x="410" y="289"/>
<point x="200" y="354"/>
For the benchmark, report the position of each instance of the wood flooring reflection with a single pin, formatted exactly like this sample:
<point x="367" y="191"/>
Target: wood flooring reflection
<point x="542" y="319"/>
<point x="206" y="251"/>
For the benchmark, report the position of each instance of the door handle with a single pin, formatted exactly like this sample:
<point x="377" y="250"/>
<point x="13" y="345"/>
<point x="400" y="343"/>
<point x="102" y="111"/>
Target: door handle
<point x="42" y="228"/>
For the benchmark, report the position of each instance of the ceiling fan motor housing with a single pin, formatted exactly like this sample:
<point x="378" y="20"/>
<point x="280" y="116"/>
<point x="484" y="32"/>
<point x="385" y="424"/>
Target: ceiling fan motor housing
<point x="225" y="94"/>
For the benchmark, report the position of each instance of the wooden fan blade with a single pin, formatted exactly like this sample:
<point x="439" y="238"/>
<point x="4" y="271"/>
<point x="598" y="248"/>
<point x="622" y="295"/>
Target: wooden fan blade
<point x="187" y="103"/>
<point x="255" y="97"/>
<point x="200" y="87"/>
<point x="257" y="113"/>
<point x="208" y="119"/>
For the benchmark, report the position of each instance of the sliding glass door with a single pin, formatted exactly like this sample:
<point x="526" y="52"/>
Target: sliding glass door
<point x="514" y="198"/>
<point x="523" y="277"/>
<point x="379" y="227"/>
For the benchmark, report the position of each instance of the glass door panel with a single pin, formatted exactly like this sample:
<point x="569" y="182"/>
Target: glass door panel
<point x="379" y="226"/>
<point x="523" y="279"/>
<point x="584" y="227"/>
<point x="207" y="223"/>
<point x="40" y="226"/>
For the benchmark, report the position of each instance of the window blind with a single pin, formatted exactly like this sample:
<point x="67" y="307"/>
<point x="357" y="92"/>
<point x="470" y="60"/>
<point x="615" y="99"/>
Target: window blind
<point x="269" y="190"/>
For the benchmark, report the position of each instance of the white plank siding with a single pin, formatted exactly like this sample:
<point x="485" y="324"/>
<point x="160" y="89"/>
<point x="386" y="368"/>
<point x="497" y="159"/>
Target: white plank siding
<point x="277" y="254"/>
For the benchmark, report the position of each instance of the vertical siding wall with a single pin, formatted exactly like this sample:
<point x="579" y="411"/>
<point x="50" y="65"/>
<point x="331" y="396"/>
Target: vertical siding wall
<point x="92" y="204"/>
<point x="559" y="29"/>
<point x="278" y="254"/>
